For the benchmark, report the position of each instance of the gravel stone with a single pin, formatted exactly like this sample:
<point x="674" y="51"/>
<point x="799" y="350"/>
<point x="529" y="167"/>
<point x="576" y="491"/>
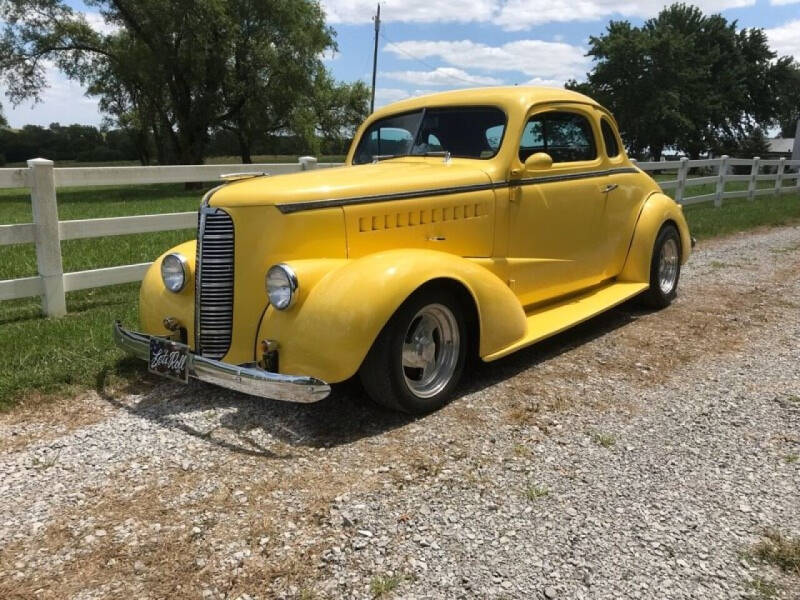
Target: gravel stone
<point x="638" y="455"/>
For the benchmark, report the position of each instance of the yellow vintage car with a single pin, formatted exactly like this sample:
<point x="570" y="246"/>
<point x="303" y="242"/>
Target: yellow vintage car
<point x="464" y="224"/>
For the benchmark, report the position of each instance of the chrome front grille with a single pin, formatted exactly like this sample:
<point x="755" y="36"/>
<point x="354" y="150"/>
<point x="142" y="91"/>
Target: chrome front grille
<point x="214" y="283"/>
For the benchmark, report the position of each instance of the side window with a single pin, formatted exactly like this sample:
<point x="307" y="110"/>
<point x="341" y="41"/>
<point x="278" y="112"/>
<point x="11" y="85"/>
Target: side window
<point x="609" y="139"/>
<point x="565" y="136"/>
<point x="494" y="135"/>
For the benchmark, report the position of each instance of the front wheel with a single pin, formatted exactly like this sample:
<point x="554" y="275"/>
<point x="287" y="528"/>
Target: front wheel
<point x="416" y="362"/>
<point x="665" y="268"/>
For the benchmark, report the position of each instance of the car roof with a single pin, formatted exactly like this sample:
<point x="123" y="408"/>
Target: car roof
<point x="506" y="97"/>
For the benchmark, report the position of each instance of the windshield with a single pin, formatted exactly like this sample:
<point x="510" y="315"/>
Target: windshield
<point x="464" y="132"/>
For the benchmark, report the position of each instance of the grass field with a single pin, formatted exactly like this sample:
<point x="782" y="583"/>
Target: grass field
<point x="213" y="160"/>
<point x="46" y="356"/>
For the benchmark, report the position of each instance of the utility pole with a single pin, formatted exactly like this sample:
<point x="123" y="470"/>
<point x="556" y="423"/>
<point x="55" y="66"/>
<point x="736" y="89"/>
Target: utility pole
<point x="377" y="20"/>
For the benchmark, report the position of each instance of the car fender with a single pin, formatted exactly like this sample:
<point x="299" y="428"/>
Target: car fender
<point x="334" y="321"/>
<point x="157" y="302"/>
<point x="657" y="210"/>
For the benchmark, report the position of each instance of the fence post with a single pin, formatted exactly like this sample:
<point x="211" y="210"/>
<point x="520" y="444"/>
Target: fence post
<point x="751" y="186"/>
<point x="307" y="163"/>
<point x="683" y="172"/>
<point x="48" y="245"/>
<point x="779" y="176"/>
<point x="722" y="171"/>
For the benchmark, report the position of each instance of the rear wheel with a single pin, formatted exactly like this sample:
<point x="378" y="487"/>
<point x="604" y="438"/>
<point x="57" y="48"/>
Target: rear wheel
<point x="417" y="361"/>
<point x="665" y="268"/>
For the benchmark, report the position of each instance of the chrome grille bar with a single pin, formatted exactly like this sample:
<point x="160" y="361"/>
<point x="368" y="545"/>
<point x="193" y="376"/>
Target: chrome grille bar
<point x="214" y="283"/>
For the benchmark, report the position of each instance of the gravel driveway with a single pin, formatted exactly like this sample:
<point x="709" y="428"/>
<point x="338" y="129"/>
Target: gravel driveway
<point x="640" y="455"/>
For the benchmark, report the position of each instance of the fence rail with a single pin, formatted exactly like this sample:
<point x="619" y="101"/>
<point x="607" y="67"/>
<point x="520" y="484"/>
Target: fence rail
<point x="722" y="177"/>
<point x="47" y="232"/>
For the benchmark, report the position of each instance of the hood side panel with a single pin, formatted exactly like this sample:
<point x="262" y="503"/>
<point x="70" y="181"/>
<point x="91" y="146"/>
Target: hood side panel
<point x="460" y="223"/>
<point x="263" y="237"/>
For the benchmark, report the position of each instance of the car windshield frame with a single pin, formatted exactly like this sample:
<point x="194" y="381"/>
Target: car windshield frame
<point x="423" y="112"/>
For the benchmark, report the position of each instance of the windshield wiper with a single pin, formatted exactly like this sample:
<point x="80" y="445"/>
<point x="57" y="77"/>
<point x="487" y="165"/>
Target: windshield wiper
<point x="380" y="157"/>
<point x="443" y="153"/>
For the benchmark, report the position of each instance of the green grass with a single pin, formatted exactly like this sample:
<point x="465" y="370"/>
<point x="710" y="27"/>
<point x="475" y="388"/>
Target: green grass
<point x="53" y="356"/>
<point x="382" y="585"/>
<point x="606" y="440"/>
<point x="214" y="160"/>
<point x="534" y="492"/>
<point x="737" y="214"/>
<point x="44" y="356"/>
<point x="780" y="550"/>
<point x="48" y="356"/>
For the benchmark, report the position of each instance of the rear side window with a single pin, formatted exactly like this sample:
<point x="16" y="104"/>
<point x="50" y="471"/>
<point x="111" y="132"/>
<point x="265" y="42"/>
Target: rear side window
<point x="565" y="136"/>
<point x="609" y="139"/>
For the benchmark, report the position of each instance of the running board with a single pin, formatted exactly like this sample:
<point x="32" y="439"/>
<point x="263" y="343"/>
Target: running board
<point x="546" y="321"/>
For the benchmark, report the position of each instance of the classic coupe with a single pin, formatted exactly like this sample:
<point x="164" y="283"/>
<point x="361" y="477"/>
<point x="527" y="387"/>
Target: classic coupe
<point x="464" y="224"/>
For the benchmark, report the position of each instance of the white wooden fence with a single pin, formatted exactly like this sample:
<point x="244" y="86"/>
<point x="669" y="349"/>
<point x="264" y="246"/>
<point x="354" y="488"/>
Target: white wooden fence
<point x="47" y="232"/>
<point x="722" y="176"/>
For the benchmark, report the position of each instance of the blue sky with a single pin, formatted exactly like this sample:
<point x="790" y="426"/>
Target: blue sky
<point x="432" y="45"/>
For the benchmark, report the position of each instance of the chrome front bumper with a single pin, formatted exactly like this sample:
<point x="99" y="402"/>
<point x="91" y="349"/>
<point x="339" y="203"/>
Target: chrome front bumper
<point x="248" y="379"/>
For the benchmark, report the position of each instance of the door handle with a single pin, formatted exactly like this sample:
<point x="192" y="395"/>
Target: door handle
<point x="609" y="188"/>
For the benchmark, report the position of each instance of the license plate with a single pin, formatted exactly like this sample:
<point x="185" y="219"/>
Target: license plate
<point x="169" y="359"/>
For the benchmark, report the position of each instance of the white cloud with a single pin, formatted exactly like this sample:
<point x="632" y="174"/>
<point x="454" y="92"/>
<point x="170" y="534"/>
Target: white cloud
<point x="441" y="76"/>
<point x="785" y="39"/>
<point x="410" y="11"/>
<point x="98" y="23"/>
<point x="63" y="101"/>
<point x="545" y="82"/>
<point x="386" y="95"/>
<point x="554" y="61"/>
<point x="521" y="14"/>
<point x="510" y="14"/>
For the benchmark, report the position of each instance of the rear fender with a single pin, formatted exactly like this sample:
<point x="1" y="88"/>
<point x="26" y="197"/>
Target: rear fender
<point x="657" y="210"/>
<point x="340" y="311"/>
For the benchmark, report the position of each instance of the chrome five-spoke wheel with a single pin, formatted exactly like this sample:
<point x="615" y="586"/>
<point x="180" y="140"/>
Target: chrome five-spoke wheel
<point x="665" y="268"/>
<point x="416" y="362"/>
<point x="431" y="350"/>
<point x="668" y="266"/>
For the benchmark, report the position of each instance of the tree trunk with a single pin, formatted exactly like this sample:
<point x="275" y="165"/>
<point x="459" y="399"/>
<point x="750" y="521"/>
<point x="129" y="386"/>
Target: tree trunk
<point x="244" y="147"/>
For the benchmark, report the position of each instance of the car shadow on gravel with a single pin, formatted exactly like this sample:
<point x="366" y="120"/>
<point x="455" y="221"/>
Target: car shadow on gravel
<point x="251" y="426"/>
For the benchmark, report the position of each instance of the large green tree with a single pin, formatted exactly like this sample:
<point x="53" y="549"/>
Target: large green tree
<point x="171" y="71"/>
<point x="687" y="80"/>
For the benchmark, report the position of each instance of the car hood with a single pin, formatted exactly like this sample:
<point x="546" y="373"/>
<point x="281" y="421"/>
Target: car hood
<point x="386" y="177"/>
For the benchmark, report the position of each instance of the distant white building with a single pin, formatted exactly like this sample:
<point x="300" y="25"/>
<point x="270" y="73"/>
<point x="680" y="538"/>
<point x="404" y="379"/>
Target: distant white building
<point x="781" y="147"/>
<point x="786" y="147"/>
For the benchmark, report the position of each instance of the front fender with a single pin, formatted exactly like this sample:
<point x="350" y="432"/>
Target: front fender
<point x="157" y="302"/>
<point x="657" y="210"/>
<point x="336" y="319"/>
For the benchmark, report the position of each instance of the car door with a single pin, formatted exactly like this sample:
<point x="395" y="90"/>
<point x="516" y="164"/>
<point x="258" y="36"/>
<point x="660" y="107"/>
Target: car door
<point x="555" y="212"/>
<point x="623" y="201"/>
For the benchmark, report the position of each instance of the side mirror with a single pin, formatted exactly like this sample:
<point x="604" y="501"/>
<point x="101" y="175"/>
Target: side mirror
<point x="539" y="161"/>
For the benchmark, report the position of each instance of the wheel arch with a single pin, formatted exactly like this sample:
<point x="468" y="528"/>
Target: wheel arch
<point x="658" y="210"/>
<point x="330" y="330"/>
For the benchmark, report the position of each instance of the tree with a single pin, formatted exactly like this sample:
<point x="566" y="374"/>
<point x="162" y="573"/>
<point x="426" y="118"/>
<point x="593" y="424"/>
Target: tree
<point x="172" y="71"/>
<point x="752" y="142"/>
<point x="3" y="122"/>
<point x="688" y="80"/>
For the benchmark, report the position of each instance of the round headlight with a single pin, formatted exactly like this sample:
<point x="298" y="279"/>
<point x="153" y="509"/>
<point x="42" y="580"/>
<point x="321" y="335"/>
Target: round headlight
<point x="173" y="271"/>
<point x="281" y="286"/>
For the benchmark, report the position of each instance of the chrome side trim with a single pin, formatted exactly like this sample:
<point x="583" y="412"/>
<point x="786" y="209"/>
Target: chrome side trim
<point x="248" y="379"/>
<point x="293" y="207"/>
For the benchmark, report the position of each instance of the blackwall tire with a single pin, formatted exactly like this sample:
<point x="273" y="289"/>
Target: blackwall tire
<point x="417" y="360"/>
<point x="665" y="268"/>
